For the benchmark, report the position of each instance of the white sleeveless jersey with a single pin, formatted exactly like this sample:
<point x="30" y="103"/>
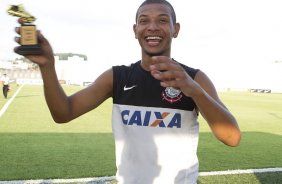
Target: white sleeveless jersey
<point x="155" y="129"/>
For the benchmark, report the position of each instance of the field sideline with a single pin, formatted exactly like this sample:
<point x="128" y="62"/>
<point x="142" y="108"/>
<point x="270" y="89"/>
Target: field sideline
<point x="276" y="114"/>
<point x="99" y="180"/>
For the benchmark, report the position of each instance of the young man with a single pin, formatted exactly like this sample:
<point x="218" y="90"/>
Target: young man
<point x="155" y="104"/>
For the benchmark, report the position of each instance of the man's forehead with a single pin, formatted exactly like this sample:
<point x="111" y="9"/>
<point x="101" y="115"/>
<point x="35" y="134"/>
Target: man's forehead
<point x="154" y="9"/>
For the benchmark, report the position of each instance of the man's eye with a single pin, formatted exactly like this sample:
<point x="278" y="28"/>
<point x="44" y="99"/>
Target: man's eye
<point x="142" y="21"/>
<point x="163" y="21"/>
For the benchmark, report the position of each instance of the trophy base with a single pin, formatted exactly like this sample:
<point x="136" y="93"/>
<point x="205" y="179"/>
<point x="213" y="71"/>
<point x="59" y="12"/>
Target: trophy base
<point x="29" y="50"/>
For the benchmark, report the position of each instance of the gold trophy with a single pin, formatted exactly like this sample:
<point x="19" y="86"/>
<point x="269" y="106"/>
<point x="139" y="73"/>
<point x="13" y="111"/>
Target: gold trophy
<point x="28" y="40"/>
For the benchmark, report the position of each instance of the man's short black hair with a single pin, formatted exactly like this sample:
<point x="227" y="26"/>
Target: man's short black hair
<point x="164" y="2"/>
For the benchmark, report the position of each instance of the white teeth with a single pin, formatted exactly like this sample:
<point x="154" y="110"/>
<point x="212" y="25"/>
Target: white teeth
<point x="153" y="38"/>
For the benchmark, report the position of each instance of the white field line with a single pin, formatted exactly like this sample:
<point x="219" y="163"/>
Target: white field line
<point x="104" y="180"/>
<point x="97" y="180"/>
<point x="5" y="107"/>
<point x="246" y="171"/>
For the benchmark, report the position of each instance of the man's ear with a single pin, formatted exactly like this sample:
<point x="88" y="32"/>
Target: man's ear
<point x="176" y="30"/>
<point x="134" y="29"/>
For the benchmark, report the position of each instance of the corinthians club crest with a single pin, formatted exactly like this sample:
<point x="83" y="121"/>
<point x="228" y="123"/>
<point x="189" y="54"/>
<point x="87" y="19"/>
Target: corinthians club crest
<point x="171" y="95"/>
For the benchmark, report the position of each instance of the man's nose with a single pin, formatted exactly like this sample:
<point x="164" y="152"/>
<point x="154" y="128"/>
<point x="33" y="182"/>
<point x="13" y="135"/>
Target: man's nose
<point x="153" y="26"/>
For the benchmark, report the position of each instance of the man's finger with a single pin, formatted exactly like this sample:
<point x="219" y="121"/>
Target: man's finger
<point x="20" y="20"/>
<point x="17" y="39"/>
<point x="158" y="59"/>
<point x="17" y="30"/>
<point x="162" y="66"/>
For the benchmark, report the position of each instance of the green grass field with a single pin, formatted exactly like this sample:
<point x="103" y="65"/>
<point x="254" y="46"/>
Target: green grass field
<point x="32" y="146"/>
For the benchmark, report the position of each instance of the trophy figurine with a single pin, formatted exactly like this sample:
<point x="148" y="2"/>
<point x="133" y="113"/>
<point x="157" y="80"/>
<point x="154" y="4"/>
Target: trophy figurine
<point x="28" y="41"/>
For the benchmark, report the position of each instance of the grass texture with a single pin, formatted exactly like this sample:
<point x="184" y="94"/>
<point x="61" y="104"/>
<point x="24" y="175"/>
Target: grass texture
<point x="32" y="146"/>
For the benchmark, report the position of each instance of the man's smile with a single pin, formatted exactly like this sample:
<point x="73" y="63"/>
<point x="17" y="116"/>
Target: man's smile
<point x="153" y="40"/>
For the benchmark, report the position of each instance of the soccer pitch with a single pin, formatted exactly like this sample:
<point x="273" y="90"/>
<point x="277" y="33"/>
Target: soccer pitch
<point x="32" y="146"/>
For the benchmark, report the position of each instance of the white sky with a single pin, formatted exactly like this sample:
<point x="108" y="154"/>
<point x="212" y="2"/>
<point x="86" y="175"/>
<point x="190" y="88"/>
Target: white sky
<point x="234" y="41"/>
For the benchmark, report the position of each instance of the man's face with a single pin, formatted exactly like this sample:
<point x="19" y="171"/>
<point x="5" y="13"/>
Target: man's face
<point x="154" y="29"/>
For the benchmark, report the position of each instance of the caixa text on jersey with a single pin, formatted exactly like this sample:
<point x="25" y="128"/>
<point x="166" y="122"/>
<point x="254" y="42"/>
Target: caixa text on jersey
<point x="151" y="119"/>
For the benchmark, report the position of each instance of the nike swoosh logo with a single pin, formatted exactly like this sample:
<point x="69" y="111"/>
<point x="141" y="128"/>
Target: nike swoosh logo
<point x="129" y="88"/>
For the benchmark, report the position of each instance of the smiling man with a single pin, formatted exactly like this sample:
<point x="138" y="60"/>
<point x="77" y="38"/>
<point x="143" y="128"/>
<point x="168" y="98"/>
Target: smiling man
<point x="155" y="29"/>
<point x="156" y="102"/>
